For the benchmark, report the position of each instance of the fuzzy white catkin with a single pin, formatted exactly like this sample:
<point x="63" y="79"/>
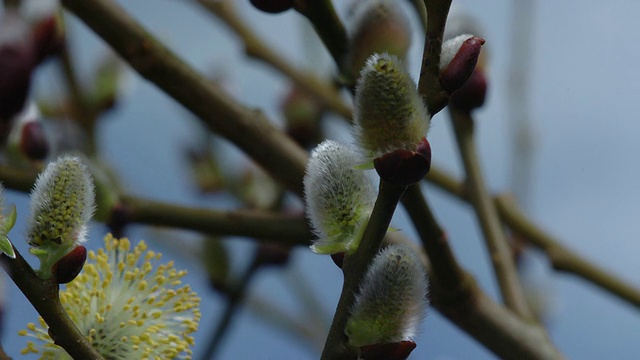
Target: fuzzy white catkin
<point x="392" y="299"/>
<point x="62" y="204"/>
<point x="389" y="113"/>
<point x="338" y="197"/>
<point x="450" y="48"/>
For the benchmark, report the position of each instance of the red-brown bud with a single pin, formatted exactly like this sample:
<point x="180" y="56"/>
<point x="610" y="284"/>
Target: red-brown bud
<point x="47" y="39"/>
<point x="271" y="253"/>
<point x="70" y="265"/>
<point x="472" y="94"/>
<point x="338" y="259"/>
<point x="405" y="167"/>
<point x="272" y="6"/>
<point x="33" y="142"/>
<point x="457" y="71"/>
<point x="393" y="351"/>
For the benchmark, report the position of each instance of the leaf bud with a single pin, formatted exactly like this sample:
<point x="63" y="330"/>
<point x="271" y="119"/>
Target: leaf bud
<point x="69" y="266"/>
<point x="458" y="59"/>
<point x="379" y="26"/>
<point x="339" y="198"/>
<point x="405" y="167"/>
<point x="272" y="6"/>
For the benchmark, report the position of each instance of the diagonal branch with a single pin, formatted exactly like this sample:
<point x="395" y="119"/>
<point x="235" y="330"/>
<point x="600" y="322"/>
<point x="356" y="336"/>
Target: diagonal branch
<point x="255" y="47"/>
<point x="248" y="129"/>
<point x="562" y="258"/>
<point x="455" y="294"/>
<point x="495" y="239"/>
<point x="43" y="295"/>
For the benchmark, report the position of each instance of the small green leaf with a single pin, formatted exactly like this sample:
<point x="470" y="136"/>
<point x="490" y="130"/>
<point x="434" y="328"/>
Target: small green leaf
<point x="10" y="220"/>
<point x="6" y="247"/>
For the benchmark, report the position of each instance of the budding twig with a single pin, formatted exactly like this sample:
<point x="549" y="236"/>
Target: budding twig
<point x="355" y="268"/>
<point x="43" y="295"/>
<point x="247" y="128"/>
<point x="495" y="239"/>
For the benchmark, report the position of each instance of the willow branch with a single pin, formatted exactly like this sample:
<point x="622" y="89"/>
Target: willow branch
<point x="43" y="295"/>
<point x="260" y="224"/>
<point x="3" y="355"/>
<point x="565" y="259"/>
<point x="248" y="129"/>
<point x="494" y="235"/>
<point x="355" y="267"/>
<point x="429" y="84"/>
<point x="329" y="27"/>
<point x="455" y="294"/>
<point x="256" y="48"/>
<point x="445" y="271"/>
<point x="561" y="258"/>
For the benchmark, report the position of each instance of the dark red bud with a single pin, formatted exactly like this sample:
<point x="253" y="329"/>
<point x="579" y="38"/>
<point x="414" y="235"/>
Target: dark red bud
<point x="118" y="220"/>
<point x="472" y="94"/>
<point x="33" y="142"/>
<point x="70" y="265"/>
<point x="338" y="259"/>
<point x="272" y="6"/>
<point x="462" y="65"/>
<point x="16" y="67"/>
<point x="271" y="253"/>
<point x="392" y="351"/>
<point x="47" y="39"/>
<point x="405" y="167"/>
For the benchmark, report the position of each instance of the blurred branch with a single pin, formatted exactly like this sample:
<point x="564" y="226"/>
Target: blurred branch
<point x="421" y="12"/>
<point x="3" y="355"/>
<point x="456" y="295"/>
<point x="259" y="224"/>
<point x="429" y="84"/>
<point x="495" y="238"/>
<point x="256" y="48"/>
<point x="250" y="130"/>
<point x="235" y="297"/>
<point x="355" y="267"/>
<point x="43" y="295"/>
<point x="330" y="29"/>
<point x="562" y="258"/>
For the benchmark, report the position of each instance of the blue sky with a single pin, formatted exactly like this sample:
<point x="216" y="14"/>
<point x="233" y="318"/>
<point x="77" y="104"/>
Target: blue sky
<point x="584" y="84"/>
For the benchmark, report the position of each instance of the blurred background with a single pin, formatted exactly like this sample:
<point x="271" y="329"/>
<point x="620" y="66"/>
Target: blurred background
<point x="580" y="91"/>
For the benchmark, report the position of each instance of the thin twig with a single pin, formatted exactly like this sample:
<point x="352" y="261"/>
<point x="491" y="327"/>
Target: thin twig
<point x="566" y="260"/>
<point x="43" y="295"/>
<point x="456" y="295"/>
<point x="3" y="355"/>
<point x="561" y="258"/>
<point x="355" y="267"/>
<point x="329" y="27"/>
<point x="429" y="84"/>
<point x="494" y="235"/>
<point x="256" y="48"/>
<point x="259" y="224"/>
<point x="235" y="298"/>
<point x="249" y="129"/>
